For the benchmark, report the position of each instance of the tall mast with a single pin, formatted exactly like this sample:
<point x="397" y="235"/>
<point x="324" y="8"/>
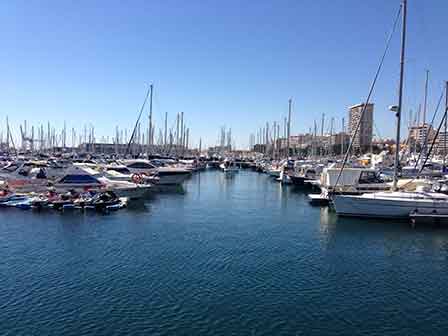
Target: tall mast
<point x="65" y="136"/>
<point x="275" y="140"/>
<point x="49" y="136"/>
<point x="331" y="136"/>
<point x="313" y="143"/>
<point x="166" y="129"/>
<point x="400" y="96"/>
<point x="321" y="148"/>
<point x="182" y="129"/>
<point x="285" y="120"/>
<point x="289" y="127"/>
<point x="425" y="102"/>
<point x="267" y="135"/>
<point x="342" y="136"/>
<point x="150" y="135"/>
<point x="177" y="129"/>
<point x="446" y="125"/>
<point x="7" y="134"/>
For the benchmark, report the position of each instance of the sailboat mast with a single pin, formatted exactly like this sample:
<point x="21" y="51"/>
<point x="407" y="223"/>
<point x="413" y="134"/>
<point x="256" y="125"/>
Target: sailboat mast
<point x="342" y="136"/>
<point x="446" y="126"/>
<point x="7" y="135"/>
<point x="150" y="134"/>
<point x="425" y="102"/>
<point x="400" y="96"/>
<point x="288" y="130"/>
<point x="166" y="130"/>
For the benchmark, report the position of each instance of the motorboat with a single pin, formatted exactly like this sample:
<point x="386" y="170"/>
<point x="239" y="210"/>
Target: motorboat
<point x="306" y="173"/>
<point x="229" y="167"/>
<point x="166" y="175"/>
<point x="274" y="170"/>
<point x="23" y="177"/>
<point x="286" y="171"/>
<point x="85" y="178"/>
<point x="352" y="181"/>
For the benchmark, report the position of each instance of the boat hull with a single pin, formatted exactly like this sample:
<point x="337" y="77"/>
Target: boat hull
<point x="132" y="192"/>
<point x="172" y="178"/>
<point x="299" y="180"/>
<point x="358" y="206"/>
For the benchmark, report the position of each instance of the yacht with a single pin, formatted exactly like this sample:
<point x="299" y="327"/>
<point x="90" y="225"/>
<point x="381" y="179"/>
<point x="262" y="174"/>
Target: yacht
<point x="23" y="177"/>
<point x="85" y="178"/>
<point x="306" y="173"/>
<point x="122" y="173"/>
<point x="166" y="175"/>
<point x="274" y="170"/>
<point x="398" y="204"/>
<point x="352" y="181"/>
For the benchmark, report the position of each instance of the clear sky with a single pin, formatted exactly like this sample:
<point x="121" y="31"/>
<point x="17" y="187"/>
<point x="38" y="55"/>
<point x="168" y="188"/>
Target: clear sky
<point x="232" y="63"/>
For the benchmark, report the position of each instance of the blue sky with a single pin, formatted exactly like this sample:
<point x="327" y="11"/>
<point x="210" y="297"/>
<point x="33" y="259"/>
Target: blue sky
<point x="232" y="63"/>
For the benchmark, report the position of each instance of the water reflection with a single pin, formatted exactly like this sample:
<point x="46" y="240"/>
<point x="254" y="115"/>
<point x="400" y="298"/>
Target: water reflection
<point x="138" y="206"/>
<point x="389" y="236"/>
<point x="248" y="247"/>
<point x="168" y="189"/>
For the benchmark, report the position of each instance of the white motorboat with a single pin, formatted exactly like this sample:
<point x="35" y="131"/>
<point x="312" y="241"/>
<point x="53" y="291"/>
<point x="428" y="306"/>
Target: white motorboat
<point x="122" y="173"/>
<point x="274" y="171"/>
<point x="229" y="167"/>
<point x="352" y="181"/>
<point x="306" y="173"/>
<point x="84" y="178"/>
<point x="284" y="178"/>
<point x="23" y="177"/>
<point x="166" y="175"/>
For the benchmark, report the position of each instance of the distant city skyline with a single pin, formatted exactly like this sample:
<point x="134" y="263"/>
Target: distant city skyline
<point x="224" y="64"/>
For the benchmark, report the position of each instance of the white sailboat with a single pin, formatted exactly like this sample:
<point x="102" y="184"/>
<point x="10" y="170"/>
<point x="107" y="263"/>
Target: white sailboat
<point x="394" y="204"/>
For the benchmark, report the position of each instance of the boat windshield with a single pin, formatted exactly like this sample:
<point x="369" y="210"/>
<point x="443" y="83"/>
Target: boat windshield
<point x="141" y="165"/>
<point x="369" y="177"/>
<point x="79" y="179"/>
<point x="122" y="170"/>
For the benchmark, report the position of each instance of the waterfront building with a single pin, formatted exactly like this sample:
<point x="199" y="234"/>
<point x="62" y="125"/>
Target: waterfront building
<point x="418" y="134"/>
<point x="295" y="141"/>
<point x="363" y="139"/>
<point x="441" y="143"/>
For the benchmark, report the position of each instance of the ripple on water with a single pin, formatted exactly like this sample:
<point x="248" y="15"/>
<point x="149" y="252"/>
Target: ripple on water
<point x="226" y="257"/>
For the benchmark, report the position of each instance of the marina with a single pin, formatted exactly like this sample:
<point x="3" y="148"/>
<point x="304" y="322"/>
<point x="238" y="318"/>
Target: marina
<point x="225" y="168"/>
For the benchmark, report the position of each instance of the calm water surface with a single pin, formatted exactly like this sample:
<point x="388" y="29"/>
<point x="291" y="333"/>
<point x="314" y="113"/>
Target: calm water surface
<point x="241" y="256"/>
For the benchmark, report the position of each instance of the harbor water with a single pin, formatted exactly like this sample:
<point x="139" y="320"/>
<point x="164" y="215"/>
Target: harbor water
<point x="224" y="256"/>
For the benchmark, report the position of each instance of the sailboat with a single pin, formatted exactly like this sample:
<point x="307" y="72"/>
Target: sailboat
<point x="395" y="203"/>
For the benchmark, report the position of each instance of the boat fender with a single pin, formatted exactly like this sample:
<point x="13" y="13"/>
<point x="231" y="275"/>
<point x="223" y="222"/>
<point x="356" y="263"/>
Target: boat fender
<point x="137" y="178"/>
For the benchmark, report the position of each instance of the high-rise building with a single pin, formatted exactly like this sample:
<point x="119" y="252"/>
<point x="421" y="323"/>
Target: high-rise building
<point x="420" y="133"/>
<point x="363" y="139"/>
